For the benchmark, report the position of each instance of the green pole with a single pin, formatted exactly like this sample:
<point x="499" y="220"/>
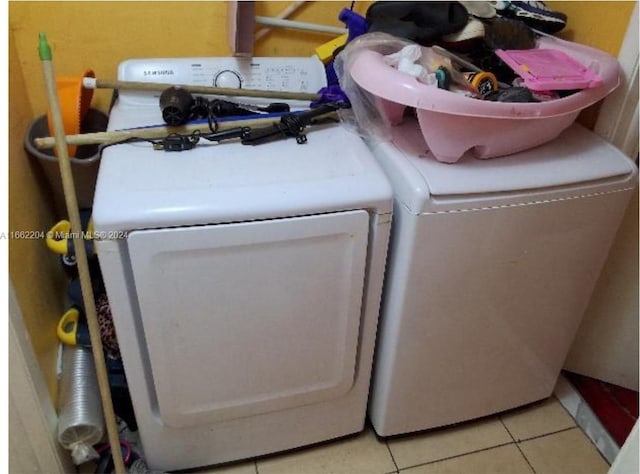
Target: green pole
<point x="68" y="186"/>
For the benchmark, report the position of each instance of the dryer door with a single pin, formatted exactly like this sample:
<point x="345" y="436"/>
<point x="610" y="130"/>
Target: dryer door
<point x="246" y="318"/>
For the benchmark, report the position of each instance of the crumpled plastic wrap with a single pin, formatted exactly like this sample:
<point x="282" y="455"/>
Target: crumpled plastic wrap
<point x="364" y="116"/>
<point x="82" y="453"/>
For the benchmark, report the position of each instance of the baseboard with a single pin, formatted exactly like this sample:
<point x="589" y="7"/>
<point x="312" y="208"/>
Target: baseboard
<point x="585" y="418"/>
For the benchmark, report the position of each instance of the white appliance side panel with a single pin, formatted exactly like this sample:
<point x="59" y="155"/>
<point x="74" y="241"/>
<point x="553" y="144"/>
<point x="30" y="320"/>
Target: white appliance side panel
<point x="482" y="306"/>
<point x="247" y="318"/>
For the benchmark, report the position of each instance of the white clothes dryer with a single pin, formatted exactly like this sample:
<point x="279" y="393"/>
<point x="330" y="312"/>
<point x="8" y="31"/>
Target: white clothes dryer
<point x="490" y="268"/>
<point x="244" y="281"/>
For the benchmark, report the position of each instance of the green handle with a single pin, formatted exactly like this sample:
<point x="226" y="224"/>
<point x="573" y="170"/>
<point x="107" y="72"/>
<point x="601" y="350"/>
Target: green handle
<point x="43" y="48"/>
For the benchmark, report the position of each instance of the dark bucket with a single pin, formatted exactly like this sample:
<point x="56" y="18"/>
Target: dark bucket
<point x="84" y="166"/>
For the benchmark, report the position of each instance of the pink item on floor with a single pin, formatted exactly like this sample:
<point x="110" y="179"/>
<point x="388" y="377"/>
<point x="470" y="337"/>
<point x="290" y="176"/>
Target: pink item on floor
<point x="453" y="124"/>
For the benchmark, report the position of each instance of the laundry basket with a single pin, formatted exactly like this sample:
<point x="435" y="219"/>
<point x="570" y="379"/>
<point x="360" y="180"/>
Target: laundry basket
<point x="84" y="165"/>
<point x="453" y="124"/>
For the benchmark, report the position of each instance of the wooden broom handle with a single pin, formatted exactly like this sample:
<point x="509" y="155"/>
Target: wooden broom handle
<point x="107" y="138"/>
<point x="93" y="83"/>
<point x="68" y="187"/>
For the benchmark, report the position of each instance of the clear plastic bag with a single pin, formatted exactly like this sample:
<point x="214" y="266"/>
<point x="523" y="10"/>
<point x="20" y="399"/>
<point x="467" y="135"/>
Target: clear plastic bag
<point x="364" y="116"/>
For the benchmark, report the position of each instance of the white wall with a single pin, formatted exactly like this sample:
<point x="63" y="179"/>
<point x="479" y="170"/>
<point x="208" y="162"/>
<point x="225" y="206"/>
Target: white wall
<point x="606" y="346"/>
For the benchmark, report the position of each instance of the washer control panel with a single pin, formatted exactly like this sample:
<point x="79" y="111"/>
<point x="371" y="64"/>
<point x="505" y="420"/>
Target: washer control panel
<point x="267" y="73"/>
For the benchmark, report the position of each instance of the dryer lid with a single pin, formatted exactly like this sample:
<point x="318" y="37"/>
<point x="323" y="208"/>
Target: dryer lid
<point x="577" y="156"/>
<point x="141" y="188"/>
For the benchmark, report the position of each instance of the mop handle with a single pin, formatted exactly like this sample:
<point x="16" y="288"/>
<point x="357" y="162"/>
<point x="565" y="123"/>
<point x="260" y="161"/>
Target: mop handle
<point x="93" y="83"/>
<point x="68" y="186"/>
<point x="116" y="136"/>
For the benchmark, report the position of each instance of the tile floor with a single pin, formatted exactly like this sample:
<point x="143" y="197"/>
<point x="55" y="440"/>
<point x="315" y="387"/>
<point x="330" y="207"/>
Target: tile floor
<point x="541" y="438"/>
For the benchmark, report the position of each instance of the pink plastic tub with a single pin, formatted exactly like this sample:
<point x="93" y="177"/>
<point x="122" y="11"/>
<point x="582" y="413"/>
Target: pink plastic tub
<point x="453" y="124"/>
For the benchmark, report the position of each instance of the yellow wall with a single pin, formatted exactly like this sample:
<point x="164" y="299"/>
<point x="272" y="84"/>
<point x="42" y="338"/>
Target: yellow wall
<point x="36" y="273"/>
<point x="598" y="24"/>
<point x="98" y="35"/>
<point x="285" y="42"/>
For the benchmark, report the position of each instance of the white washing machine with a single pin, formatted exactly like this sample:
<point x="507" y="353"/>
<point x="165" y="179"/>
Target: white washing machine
<point x="244" y="281"/>
<point x="490" y="268"/>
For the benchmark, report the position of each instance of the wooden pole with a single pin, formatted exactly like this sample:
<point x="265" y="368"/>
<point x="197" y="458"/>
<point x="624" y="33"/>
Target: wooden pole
<point x="107" y="138"/>
<point x="68" y="187"/>
<point x="93" y="83"/>
<point x="299" y="25"/>
<point x="284" y="14"/>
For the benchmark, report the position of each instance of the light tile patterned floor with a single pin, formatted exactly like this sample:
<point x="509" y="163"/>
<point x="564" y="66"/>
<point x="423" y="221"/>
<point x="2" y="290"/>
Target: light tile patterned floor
<point x="540" y="439"/>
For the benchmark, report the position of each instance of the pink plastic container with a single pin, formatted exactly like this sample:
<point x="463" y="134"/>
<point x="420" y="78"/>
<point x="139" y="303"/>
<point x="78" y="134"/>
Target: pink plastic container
<point x="453" y="124"/>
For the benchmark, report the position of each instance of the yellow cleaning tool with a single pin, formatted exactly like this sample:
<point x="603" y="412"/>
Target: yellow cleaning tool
<point x="68" y="329"/>
<point x="325" y="51"/>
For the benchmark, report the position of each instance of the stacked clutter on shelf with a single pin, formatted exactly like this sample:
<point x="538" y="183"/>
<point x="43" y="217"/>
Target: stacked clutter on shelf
<point x="486" y="78"/>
